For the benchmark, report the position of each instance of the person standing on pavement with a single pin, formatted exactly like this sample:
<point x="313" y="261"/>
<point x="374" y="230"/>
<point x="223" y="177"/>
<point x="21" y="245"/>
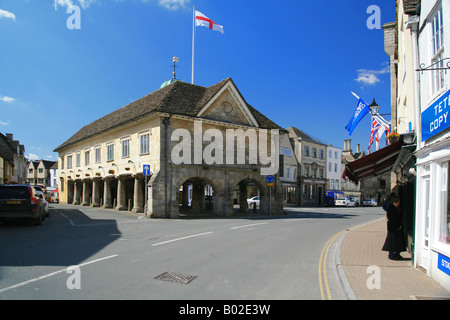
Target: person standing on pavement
<point x="395" y="242"/>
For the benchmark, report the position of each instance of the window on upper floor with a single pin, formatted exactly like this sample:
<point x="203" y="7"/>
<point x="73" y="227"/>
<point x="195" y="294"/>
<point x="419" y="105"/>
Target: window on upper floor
<point x="110" y="152"/>
<point x="437" y="50"/>
<point x="144" y="143"/>
<point x="87" y="157"/>
<point x="125" y="148"/>
<point x="98" y="154"/>
<point x="69" y="162"/>
<point x="307" y="151"/>
<point x="78" y="159"/>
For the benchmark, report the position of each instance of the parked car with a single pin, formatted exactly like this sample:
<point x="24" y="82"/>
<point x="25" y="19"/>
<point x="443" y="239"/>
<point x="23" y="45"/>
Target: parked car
<point x="351" y="202"/>
<point x="21" y="202"/>
<point x="342" y="202"/>
<point x="46" y="210"/>
<point x="369" y="203"/>
<point x="252" y="201"/>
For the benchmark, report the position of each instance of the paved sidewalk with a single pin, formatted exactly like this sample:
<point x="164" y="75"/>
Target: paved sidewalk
<point x="361" y="248"/>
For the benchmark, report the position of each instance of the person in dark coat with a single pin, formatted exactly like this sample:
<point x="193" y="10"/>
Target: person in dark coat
<point x="395" y="242"/>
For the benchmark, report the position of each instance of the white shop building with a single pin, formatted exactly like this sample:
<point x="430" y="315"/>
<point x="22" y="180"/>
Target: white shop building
<point x="432" y="225"/>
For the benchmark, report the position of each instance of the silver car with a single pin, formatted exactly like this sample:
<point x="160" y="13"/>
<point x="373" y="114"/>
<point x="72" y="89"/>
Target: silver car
<point x="369" y="203"/>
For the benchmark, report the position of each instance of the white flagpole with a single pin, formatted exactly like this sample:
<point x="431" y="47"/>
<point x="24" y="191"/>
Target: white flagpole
<point x="193" y="44"/>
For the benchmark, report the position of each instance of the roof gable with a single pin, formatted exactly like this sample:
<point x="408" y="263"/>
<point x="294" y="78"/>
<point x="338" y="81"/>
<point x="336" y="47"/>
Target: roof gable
<point x="228" y="105"/>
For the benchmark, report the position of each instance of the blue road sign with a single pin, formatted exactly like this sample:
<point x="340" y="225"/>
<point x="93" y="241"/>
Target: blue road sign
<point x="269" y="179"/>
<point x="146" y="170"/>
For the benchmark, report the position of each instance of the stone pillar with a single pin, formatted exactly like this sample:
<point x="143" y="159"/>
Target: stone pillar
<point x="86" y="192"/>
<point x="121" y="196"/>
<point x="107" y="194"/>
<point x="96" y="192"/>
<point x="76" y="193"/>
<point x="138" y="201"/>
<point x="70" y="191"/>
<point x="243" y="204"/>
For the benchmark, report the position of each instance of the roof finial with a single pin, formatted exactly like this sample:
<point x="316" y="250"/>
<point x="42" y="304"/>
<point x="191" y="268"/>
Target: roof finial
<point x="174" y="60"/>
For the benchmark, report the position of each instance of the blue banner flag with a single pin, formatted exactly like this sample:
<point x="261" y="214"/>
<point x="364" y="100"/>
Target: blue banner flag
<point x="361" y="110"/>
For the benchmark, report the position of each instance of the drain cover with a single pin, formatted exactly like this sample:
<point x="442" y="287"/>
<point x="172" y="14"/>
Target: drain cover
<point x="175" y="277"/>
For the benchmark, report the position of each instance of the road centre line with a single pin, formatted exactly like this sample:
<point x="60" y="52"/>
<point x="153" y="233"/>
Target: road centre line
<point x="54" y="273"/>
<point x="183" y="238"/>
<point x="249" y="225"/>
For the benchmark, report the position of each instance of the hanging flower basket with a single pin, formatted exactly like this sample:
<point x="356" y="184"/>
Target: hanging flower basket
<point x="393" y="137"/>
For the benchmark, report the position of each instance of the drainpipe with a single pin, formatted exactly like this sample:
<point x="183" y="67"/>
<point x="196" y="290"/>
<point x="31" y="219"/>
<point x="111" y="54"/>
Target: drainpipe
<point x="413" y="24"/>
<point x="166" y="123"/>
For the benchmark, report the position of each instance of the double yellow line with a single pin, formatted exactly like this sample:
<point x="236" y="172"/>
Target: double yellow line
<point x="323" y="279"/>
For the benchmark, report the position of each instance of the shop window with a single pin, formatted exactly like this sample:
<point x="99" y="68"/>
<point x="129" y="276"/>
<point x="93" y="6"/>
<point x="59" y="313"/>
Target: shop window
<point x="444" y="235"/>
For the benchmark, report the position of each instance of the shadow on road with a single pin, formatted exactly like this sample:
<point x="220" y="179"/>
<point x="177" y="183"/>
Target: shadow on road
<point x="68" y="237"/>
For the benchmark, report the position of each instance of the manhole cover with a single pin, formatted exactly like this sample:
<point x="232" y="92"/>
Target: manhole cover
<point x="175" y="277"/>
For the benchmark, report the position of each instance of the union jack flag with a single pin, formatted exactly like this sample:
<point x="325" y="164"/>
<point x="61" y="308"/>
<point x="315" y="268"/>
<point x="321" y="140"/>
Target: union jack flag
<point x="380" y="126"/>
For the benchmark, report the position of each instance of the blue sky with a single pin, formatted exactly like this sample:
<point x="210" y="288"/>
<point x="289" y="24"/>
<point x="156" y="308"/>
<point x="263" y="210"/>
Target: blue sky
<point x="296" y="61"/>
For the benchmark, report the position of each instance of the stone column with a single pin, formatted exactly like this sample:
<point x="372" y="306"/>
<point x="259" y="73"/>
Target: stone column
<point x="107" y="194"/>
<point x="76" y="193"/>
<point x="86" y="192"/>
<point x="243" y="204"/>
<point x="138" y="200"/>
<point x="121" y="197"/>
<point x="96" y="192"/>
<point x="70" y="191"/>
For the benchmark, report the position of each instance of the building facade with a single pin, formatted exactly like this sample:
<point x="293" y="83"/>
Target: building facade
<point x="311" y="156"/>
<point x="418" y="44"/>
<point x="193" y="138"/>
<point x="40" y="173"/>
<point x="288" y="171"/>
<point x="13" y="163"/>
<point x="334" y="168"/>
<point x="432" y="238"/>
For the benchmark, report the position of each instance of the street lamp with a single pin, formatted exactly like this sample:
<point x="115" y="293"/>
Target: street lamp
<point x="374" y="107"/>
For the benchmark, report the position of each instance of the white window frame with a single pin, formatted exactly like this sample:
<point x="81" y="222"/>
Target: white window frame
<point x="78" y="159"/>
<point x="110" y="151"/>
<point x="125" y="144"/>
<point x="98" y="154"/>
<point x="69" y="161"/>
<point x="87" y="157"/>
<point x="144" y="146"/>
<point x="437" y="50"/>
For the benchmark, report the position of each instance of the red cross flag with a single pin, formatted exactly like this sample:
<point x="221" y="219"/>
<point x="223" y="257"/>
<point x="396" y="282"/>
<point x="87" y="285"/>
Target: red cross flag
<point x="204" y="21"/>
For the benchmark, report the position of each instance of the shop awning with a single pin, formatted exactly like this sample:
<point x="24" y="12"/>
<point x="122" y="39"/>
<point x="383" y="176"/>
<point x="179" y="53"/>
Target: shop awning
<point x="374" y="164"/>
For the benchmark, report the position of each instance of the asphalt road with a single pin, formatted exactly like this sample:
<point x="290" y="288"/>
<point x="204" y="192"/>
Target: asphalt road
<point x="120" y="255"/>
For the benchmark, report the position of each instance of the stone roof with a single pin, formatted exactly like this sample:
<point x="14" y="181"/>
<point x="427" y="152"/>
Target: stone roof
<point x="300" y="134"/>
<point x="178" y="98"/>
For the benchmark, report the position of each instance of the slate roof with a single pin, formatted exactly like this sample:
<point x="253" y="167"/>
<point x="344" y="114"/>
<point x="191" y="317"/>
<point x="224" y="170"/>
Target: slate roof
<point x="179" y="98"/>
<point x="300" y="134"/>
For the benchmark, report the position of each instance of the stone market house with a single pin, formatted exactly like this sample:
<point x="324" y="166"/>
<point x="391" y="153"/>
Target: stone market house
<point x="102" y="164"/>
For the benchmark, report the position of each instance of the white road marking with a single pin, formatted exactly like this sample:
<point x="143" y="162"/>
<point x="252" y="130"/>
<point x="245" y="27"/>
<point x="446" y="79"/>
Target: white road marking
<point x="249" y="225"/>
<point x="54" y="273"/>
<point x="183" y="238"/>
